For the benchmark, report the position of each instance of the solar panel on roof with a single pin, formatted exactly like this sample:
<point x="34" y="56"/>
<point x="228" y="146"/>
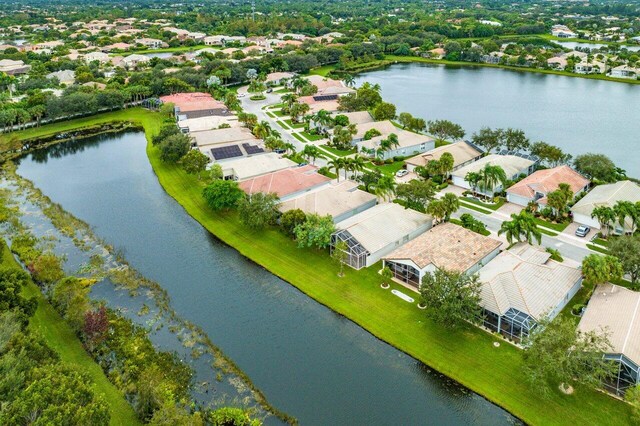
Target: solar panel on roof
<point x="226" y="152"/>
<point x="252" y="149"/>
<point x="325" y="98"/>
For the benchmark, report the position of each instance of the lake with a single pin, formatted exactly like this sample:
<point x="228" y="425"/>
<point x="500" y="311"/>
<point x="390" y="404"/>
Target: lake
<point x="309" y="361"/>
<point x="577" y="114"/>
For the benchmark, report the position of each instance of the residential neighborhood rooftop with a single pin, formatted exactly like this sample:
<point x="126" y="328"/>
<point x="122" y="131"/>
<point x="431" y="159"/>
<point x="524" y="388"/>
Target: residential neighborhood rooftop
<point x="462" y="153"/>
<point x="383" y="224"/>
<point x="286" y="182"/>
<point x="222" y="136"/>
<point x="335" y="200"/>
<point x="615" y="310"/>
<point x="548" y="180"/>
<point x="194" y="101"/>
<point x="525" y="278"/>
<point x="446" y="246"/>
<point x="607" y="195"/>
<point x="256" y="165"/>
<point x="511" y="164"/>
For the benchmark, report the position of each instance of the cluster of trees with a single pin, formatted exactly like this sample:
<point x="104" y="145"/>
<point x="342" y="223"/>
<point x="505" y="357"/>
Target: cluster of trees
<point x="521" y="227"/>
<point x="258" y="211"/>
<point x="611" y="217"/>
<point x="173" y="144"/>
<point x="599" y="168"/>
<point x="437" y="170"/>
<point x="497" y="139"/>
<point x="487" y="179"/>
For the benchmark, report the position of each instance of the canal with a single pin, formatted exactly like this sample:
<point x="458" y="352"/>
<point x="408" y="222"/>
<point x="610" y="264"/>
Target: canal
<point x="310" y="362"/>
<point x="579" y="115"/>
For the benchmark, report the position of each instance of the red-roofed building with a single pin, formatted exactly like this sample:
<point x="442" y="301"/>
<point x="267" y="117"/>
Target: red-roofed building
<point x="195" y="105"/>
<point x="538" y="185"/>
<point x="287" y="183"/>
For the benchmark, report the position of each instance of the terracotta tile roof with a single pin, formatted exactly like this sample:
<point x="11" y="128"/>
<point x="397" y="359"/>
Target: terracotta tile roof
<point x="195" y="101"/>
<point x="447" y="246"/>
<point x="285" y="182"/>
<point x="546" y="181"/>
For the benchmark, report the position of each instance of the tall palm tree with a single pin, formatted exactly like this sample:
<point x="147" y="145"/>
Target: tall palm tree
<point x="358" y="163"/>
<point x="522" y="227"/>
<point x="624" y="210"/>
<point x="385" y="186"/>
<point x="446" y="162"/>
<point x="451" y="204"/>
<point x="348" y="80"/>
<point x="336" y="164"/>
<point x="289" y="99"/>
<point x="510" y="230"/>
<point x="491" y="176"/>
<point x="474" y="179"/>
<point x="311" y="152"/>
<point x="437" y="209"/>
<point x="605" y="217"/>
<point x="262" y="130"/>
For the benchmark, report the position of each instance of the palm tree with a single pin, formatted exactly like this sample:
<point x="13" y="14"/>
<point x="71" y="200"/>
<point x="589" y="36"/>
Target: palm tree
<point x="521" y="225"/>
<point x="474" y="179"/>
<point x="291" y="148"/>
<point x="262" y="130"/>
<point x="446" y="162"/>
<point x="437" y="209"/>
<point x="348" y="80"/>
<point x="491" y="176"/>
<point x="385" y="186"/>
<point x="605" y="216"/>
<point x="357" y="164"/>
<point x="289" y="99"/>
<point x="323" y="118"/>
<point x="510" y="230"/>
<point x="311" y="152"/>
<point x="336" y="164"/>
<point x="451" y="204"/>
<point x="622" y="210"/>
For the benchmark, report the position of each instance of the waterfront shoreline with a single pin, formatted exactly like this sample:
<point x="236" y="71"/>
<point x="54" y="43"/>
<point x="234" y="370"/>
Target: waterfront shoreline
<point x="394" y="60"/>
<point x="466" y="356"/>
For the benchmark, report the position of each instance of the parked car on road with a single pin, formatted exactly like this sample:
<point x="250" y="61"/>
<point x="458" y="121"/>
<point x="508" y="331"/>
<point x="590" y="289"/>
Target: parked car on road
<point x="582" y="231"/>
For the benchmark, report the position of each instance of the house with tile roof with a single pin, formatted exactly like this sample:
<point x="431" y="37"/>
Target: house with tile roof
<point x="446" y="246"/>
<point x="513" y="166"/>
<point x="606" y="195"/>
<point x="341" y="200"/>
<point x="287" y="183"/>
<point x="523" y="285"/>
<point x="463" y="153"/>
<point x="615" y="310"/>
<point x="536" y="186"/>
<point x="378" y="231"/>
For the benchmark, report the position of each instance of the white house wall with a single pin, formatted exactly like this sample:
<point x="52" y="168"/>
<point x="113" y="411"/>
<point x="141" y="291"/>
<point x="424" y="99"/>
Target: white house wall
<point x="518" y="199"/>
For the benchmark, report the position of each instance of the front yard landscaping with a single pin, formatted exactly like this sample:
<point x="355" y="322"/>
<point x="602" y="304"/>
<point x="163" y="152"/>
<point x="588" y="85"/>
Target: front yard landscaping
<point x="339" y="152"/>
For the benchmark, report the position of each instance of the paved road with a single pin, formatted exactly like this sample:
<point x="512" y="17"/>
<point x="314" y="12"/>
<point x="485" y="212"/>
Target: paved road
<point x="256" y="107"/>
<point x="572" y="248"/>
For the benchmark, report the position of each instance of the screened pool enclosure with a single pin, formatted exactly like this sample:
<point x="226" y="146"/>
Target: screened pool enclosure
<point x="514" y="324"/>
<point x="356" y="253"/>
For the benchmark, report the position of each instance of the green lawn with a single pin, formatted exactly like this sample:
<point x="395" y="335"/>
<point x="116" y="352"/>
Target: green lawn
<point x="486" y="206"/>
<point x="471" y="206"/>
<point x="388" y="168"/>
<point x="311" y="136"/>
<point x="61" y="338"/>
<point x="323" y="71"/>
<point x="279" y="113"/>
<point x="300" y="138"/>
<point x="339" y="152"/>
<point x="486" y="232"/>
<point x="276" y="106"/>
<point x="283" y="90"/>
<point x="466" y="355"/>
<point x="554" y="226"/>
<point x="294" y="125"/>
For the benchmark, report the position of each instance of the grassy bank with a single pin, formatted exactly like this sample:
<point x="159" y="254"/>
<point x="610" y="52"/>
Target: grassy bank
<point x="406" y="59"/>
<point x="466" y="355"/>
<point x="61" y="338"/>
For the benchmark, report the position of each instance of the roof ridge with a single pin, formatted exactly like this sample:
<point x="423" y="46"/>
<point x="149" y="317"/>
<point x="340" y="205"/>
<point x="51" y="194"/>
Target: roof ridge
<point x="635" y="313"/>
